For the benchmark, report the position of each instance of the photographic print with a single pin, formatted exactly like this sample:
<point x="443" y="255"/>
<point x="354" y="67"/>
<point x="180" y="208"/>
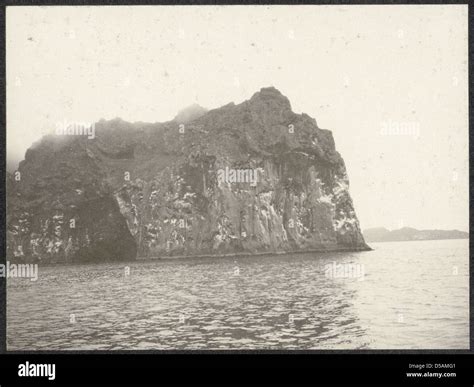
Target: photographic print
<point x="226" y="177"/>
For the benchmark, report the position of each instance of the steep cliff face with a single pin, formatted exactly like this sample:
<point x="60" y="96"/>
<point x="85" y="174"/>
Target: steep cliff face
<point x="247" y="178"/>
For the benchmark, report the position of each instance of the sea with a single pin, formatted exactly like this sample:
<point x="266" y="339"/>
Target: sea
<point x="400" y="295"/>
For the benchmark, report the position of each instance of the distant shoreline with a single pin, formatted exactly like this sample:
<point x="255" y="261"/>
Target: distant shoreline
<point x="420" y="240"/>
<point x="407" y="234"/>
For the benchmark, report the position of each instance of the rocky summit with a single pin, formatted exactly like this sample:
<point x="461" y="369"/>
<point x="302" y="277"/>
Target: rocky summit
<point x="242" y="179"/>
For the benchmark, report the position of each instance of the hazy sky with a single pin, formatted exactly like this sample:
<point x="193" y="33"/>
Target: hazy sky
<point x="363" y="72"/>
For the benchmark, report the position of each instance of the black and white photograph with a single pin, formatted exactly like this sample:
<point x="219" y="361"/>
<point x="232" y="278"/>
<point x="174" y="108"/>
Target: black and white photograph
<point x="237" y="177"/>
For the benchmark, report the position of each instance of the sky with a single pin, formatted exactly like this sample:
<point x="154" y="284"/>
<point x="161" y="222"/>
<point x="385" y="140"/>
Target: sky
<point x="390" y="82"/>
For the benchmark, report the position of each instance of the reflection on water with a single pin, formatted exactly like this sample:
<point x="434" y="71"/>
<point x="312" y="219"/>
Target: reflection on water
<point x="411" y="295"/>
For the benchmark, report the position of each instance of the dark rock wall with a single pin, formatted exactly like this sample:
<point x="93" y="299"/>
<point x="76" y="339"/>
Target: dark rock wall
<point x="155" y="189"/>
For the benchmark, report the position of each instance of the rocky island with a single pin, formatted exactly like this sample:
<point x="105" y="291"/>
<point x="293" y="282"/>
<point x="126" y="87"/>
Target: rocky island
<point x="250" y="178"/>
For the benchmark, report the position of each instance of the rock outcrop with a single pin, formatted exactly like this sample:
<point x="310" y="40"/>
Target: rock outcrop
<point x="240" y="179"/>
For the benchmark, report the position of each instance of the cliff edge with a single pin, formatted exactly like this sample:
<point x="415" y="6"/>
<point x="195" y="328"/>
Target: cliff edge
<point x="248" y="178"/>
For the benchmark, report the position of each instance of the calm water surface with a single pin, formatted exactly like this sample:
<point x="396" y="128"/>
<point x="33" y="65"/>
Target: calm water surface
<point x="404" y="295"/>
